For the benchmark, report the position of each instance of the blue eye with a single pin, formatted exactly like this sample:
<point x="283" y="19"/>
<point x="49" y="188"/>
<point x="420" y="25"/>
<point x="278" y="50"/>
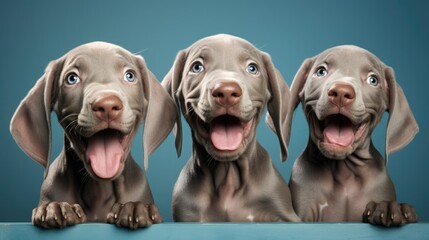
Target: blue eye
<point x="372" y="80"/>
<point x="321" y="72"/>
<point x="72" y="79"/>
<point x="252" y="69"/>
<point x="129" y="76"/>
<point x="197" y="67"/>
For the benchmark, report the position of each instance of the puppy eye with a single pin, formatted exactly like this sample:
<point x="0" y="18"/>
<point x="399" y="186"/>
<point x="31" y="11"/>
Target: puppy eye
<point x="197" y="67"/>
<point x="252" y="69"/>
<point x="72" y="79"/>
<point x="321" y="72"/>
<point x="372" y="80"/>
<point x="129" y="76"/>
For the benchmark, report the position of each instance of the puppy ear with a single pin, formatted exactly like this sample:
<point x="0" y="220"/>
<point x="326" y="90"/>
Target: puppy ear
<point x="402" y="126"/>
<point x="294" y="99"/>
<point x="171" y="83"/>
<point x="296" y="88"/>
<point x="278" y="104"/>
<point x="298" y="83"/>
<point x="31" y="123"/>
<point x="160" y="113"/>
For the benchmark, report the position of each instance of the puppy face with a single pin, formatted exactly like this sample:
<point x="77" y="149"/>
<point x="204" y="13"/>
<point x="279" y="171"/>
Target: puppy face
<point x="99" y="105"/>
<point x="223" y="93"/>
<point x="100" y="93"/>
<point x="344" y="97"/>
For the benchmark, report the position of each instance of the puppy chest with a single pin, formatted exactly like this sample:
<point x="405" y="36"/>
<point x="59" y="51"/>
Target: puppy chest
<point x="228" y="202"/>
<point x="98" y="201"/>
<point x="232" y="208"/>
<point x="343" y="203"/>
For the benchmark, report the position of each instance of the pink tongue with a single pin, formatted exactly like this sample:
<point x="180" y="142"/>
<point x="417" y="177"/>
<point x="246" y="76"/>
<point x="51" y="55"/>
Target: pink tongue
<point x="339" y="132"/>
<point x="226" y="133"/>
<point x="104" y="153"/>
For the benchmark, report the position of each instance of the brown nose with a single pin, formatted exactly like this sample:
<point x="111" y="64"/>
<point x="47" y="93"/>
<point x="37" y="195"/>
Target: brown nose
<point x="107" y="108"/>
<point x="226" y="94"/>
<point x="341" y="94"/>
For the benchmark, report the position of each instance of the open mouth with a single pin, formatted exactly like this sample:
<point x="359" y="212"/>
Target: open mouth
<point x="339" y="130"/>
<point x="105" y="152"/>
<point x="226" y="132"/>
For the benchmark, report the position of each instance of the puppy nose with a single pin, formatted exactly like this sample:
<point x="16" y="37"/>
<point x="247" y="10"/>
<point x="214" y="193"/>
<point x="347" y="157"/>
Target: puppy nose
<point x="341" y="94"/>
<point x="107" y="108"/>
<point x="227" y="94"/>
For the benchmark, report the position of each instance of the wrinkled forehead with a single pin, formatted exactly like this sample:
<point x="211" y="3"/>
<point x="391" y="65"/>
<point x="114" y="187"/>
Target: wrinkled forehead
<point x="100" y="55"/>
<point x="349" y="57"/>
<point x="223" y="47"/>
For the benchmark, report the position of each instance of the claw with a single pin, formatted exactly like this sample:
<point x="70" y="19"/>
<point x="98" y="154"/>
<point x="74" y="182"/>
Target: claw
<point x="116" y="216"/>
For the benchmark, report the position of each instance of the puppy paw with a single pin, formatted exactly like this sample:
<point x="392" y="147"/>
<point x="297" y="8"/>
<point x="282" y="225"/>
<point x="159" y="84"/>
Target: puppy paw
<point x="134" y="215"/>
<point x="389" y="213"/>
<point x="409" y="212"/>
<point x="58" y="215"/>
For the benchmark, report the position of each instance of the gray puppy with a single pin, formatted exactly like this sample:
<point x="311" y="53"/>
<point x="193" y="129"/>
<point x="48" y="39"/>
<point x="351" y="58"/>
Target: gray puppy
<point x="101" y="93"/>
<point x="222" y="84"/>
<point x="340" y="176"/>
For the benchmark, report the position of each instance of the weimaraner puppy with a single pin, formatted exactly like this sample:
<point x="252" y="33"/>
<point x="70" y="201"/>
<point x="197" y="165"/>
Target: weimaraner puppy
<point x="100" y="93"/>
<point x="222" y="84"/>
<point x="340" y="176"/>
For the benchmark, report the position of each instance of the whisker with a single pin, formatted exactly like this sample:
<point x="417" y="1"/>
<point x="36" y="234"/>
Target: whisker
<point x="69" y="116"/>
<point x="138" y="52"/>
<point x="70" y="125"/>
<point x="67" y="149"/>
<point x="85" y="177"/>
<point x="81" y="170"/>
<point x="211" y="161"/>
<point x="191" y="112"/>
<point x="190" y="109"/>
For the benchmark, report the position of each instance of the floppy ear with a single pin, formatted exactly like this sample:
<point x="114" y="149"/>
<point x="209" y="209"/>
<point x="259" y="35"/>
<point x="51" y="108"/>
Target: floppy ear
<point x="278" y="104"/>
<point x="294" y="99"/>
<point x="31" y="124"/>
<point x="160" y="114"/>
<point x="401" y="126"/>
<point x="171" y="83"/>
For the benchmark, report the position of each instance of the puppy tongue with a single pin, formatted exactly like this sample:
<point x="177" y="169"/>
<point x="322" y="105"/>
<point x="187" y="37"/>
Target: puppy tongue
<point x="226" y="133"/>
<point x="105" y="153"/>
<point x="338" y="130"/>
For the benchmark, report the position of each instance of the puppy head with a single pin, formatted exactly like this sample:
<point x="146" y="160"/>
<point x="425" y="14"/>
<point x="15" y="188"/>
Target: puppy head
<point x="100" y="93"/>
<point x="222" y="84"/>
<point x="344" y="91"/>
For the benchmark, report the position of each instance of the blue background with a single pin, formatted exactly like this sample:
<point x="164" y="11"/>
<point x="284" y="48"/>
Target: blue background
<point x="32" y="33"/>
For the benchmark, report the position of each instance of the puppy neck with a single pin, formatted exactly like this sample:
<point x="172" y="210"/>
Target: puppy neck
<point x="252" y="164"/>
<point x="358" y="163"/>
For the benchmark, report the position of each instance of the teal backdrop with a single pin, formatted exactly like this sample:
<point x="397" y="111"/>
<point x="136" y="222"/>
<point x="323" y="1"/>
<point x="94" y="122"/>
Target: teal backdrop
<point x="32" y="33"/>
